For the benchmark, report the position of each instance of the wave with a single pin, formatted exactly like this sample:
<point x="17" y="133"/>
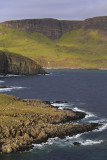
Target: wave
<point x="102" y="127"/>
<point x="70" y="106"/>
<point x="103" y="69"/>
<point x="64" y="105"/>
<point x="88" y="114"/>
<point x="102" y="122"/>
<point x="77" y="109"/>
<point x="47" y="74"/>
<point x="2" y="81"/>
<point x="90" y="142"/>
<point x="49" y="142"/>
<point x="11" y="75"/>
<point x="68" y="141"/>
<point x="10" y="89"/>
<point x="75" y="136"/>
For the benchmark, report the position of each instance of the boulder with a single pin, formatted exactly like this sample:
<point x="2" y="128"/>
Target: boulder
<point x="77" y="143"/>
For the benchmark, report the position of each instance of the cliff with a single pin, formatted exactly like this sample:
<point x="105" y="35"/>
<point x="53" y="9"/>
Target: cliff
<point x="16" y="64"/>
<point x="53" y="28"/>
<point x="99" y="23"/>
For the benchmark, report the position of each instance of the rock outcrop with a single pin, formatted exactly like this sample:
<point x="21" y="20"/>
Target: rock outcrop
<point x="17" y="64"/>
<point x="53" y="28"/>
<point x="2" y="86"/>
<point x="24" y="122"/>
<point x="99" y="23"/>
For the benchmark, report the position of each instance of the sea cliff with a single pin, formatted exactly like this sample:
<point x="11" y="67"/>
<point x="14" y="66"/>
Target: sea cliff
<point x="16" y="64"/>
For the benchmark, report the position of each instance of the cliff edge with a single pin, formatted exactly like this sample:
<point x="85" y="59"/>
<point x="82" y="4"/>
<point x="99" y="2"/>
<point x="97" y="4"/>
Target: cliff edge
<point x="54" y="29"/>
<point x="16" y="64"/>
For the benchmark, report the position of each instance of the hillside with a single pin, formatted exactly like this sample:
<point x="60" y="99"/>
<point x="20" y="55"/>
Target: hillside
<point x="58" y="44"/>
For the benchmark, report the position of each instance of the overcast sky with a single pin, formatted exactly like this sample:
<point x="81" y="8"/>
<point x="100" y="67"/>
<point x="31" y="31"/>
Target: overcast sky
<point x="58" y="9"/>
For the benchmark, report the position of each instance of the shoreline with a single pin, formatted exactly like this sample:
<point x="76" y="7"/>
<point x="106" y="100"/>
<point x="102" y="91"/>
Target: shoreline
<point x="77" y="68"/>
<point x="28" y="121"/>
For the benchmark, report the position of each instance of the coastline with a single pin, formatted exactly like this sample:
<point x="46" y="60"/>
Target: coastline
<point x="77" y="68"/>
<point x="29" y="121"/>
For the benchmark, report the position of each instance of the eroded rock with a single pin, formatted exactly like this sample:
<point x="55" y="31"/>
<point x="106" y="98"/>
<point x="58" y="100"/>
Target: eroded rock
<point x="35" y="124"/>
<point x="16" y="64"/>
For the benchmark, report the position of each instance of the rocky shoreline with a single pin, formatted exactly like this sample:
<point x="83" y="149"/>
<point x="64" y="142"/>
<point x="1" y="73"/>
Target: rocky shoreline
<point x="29" y="121"/>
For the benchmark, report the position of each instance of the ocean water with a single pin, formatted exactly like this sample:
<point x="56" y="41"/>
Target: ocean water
<point x="84" y="90"/>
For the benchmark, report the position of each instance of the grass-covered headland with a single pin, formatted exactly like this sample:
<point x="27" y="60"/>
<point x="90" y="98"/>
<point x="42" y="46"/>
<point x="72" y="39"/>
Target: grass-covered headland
<point x="23" y="122"/>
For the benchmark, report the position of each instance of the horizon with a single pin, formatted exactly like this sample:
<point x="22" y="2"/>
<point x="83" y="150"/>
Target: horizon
<point x="54" y="19"/>
<point x="61" y="10"/>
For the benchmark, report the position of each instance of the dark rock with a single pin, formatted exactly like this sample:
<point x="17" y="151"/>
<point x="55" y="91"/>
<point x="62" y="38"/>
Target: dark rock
<point x="60" y="102"/>
<point x="16" y="64"/>
<point x="1" y="146"/>
<point x="2" y="86"/>
<point x="79" y="115"/>
<point x="77" y="143"/>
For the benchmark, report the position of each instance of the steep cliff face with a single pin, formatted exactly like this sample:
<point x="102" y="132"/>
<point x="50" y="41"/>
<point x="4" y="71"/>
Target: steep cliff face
<point x="16" y="64"/>
<point x="53" y="28"/>
<point x="96" y="23"/>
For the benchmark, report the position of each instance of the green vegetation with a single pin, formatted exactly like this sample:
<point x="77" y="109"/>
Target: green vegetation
<point x="23" y="122"/>
<point x="76" y="49"/>
<point x="14" y="111"/>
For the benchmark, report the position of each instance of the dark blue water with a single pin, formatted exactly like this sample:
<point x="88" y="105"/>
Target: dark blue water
<point x="84" y="90"/>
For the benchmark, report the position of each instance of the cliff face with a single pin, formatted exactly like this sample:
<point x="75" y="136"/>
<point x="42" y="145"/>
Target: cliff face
<point x="96" y="23"/>
<point x="53" y="28"/>
<point x="16" y="64"/>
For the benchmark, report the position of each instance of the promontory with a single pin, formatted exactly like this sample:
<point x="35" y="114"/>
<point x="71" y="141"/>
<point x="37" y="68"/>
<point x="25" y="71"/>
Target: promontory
<point x="27" y="121"/>
<point x="16" y="64"/>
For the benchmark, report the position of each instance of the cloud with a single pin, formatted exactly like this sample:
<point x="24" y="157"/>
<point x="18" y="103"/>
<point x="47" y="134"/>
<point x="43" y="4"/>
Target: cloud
<point x="59" y="9"/>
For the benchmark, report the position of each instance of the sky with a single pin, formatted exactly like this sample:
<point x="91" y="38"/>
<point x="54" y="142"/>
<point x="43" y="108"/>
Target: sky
<point x="58" y="9"/>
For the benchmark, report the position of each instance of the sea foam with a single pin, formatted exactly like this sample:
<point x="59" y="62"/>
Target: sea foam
<point x="70" y="106"/>
<point x="8" y="89"/>
<point x="2" y="81"/>
<point x="91" y="142"/>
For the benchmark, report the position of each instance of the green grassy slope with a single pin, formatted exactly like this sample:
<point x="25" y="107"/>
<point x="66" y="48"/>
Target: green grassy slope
<point x="76" y="49"/>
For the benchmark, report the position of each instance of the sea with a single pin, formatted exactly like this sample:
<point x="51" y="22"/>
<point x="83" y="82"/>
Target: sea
<point x="78" y="89"/>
